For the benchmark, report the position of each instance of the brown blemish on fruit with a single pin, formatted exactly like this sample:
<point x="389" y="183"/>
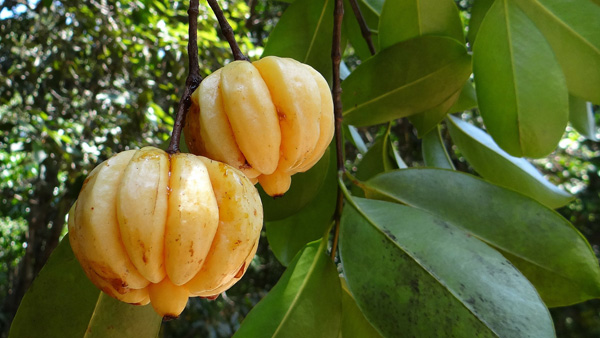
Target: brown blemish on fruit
<point x="211" y="297"/>
<point x="240" y="272"/>
<point x="169" y="317"/>
<point x="192" y="248"/>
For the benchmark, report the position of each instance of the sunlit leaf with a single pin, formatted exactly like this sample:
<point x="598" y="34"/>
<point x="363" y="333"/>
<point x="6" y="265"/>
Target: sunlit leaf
<point x="572" y="28"/>
<point x="396" y="259"/>
<point x="310" y="23"/>
<point x="521" y="90"/>
<point x="405" y="19"/>
<point x="405" y="79"/>
<point x="500" y="168"/>
<point x="582" y="118"/>
<point x="549" y="251"/>
<point x="305" y="302"/>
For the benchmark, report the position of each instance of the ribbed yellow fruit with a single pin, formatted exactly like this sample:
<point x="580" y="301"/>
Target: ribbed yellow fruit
<point x="270" y="119"/>
<point x="159" y="228"/>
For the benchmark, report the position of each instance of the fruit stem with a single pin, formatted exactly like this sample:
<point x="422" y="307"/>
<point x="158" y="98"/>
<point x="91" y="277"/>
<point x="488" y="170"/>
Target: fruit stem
<point x="364" y="28"/>
<point x="193" y="80"/>
<point x="336" y="58"/>
<point x="227" y="30"/>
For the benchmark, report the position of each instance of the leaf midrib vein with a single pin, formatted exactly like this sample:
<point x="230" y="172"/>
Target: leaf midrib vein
<point x="421" y="79"/>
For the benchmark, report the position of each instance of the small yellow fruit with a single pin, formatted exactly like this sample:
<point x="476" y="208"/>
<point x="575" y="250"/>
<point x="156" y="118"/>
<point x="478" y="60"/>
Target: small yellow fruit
<point x="270" y="119"/>
<point x="159" y="228"/>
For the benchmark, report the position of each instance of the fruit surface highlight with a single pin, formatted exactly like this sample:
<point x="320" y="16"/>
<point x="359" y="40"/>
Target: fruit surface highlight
<point x="160" y="228"/>
<point x="270" y="119"/>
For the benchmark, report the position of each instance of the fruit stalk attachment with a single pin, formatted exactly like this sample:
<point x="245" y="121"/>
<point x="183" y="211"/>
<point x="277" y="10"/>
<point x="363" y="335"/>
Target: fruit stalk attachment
<point x="336" y="58"/>
<point x="227" y="31"/>
<point x="193" y="79"/>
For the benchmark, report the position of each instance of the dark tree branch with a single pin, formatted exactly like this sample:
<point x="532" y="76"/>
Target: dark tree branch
<point x="191" y="83"/>
<point x="227" y="30"/>
<point x="336" y="58"/>
<point x="364" y="28"/>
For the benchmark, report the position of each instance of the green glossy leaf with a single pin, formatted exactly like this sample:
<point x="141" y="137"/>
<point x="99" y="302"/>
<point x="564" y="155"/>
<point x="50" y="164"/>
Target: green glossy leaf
<point x="305" y="302"/>
<point x="407" y="78"/>
<point x="521" y="90"/>
<point x="62" y="302"/>
<point x="304" y="188"/>
<point x="375" y="5"/>
<point x="61" y="299"/>
<point x="434" y="150"/>
<point x="310" y="23"/>
<point x="572" y="28"/>
<point x="467" y="99"/>
<point x="405" y="19"/>
<point x="500" y="168"/>
<point x="581" y="117"/>
<point x="426" y="121"/>
<point x="377" y="159"/>
<point x="354" y="323"/>
<point x="288" y="236"/>
<point x="478" y="12"/>
<point x="416" y="275"/>
<point x="551" y="253"/>
<point x="113" y="318"/>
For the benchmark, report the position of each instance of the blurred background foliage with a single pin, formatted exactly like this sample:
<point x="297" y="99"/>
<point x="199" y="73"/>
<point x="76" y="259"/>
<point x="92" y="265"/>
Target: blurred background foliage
<point x="83" y="80"/>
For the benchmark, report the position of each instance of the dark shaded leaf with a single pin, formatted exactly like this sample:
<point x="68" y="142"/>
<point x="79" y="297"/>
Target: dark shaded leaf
<point x="354" y="323"/>
<point x="434" y="150"/>
<point x="552" y="254"/>
<point x="288" y="236"/>
<point x="304" y="188"/>
<point x="396" y="262"/>
<point x="62" y="302"/>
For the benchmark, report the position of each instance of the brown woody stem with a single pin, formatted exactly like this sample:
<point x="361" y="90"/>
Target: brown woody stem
<point x="191" y="83"/>
<point x="364" y="28"/>
<point x="227" y="30"/>
<point x="336" y="58"/>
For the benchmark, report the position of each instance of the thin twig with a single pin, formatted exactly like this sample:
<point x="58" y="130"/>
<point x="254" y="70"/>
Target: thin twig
<point x="364" y="28"/>
<point x="227" y="30"/>
<point x="336" y="59"/>
<point x="193" y="80"/>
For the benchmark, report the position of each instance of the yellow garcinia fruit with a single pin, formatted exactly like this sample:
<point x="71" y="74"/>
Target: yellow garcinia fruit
<point x="270" y="119"/>
<point x="159" y="228"/>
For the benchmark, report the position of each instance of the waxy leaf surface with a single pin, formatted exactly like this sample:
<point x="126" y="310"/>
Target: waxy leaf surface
<point x="416" y="275"/>
<point x="500" y="168"/>
<point x="62" y="302"/>
<point x="305" y="302"/>
<point x="404" y="79"/>
<point x="549" y="251"/>
<point x="521" y="89"/>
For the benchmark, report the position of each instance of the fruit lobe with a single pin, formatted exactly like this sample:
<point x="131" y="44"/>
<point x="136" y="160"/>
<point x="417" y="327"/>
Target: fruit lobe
<point x="275" y="118"/>
<point x="159" y="228"/>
